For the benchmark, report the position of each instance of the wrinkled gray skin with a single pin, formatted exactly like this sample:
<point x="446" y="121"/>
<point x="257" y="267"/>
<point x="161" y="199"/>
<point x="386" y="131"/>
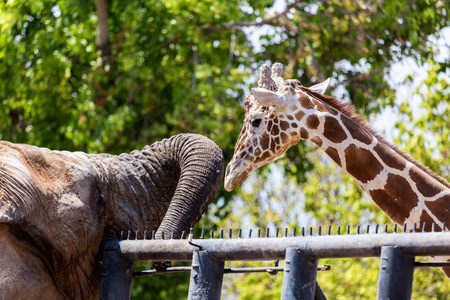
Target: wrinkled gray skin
<point x="56" y="208"/>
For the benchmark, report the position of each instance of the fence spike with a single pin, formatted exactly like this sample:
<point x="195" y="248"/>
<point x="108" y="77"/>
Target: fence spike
<point x="267" y="232"/>
<point x="137" y="235"/>
<point x="182" y="235"/>
<point x="295" y="231"/>
<point x="329" y="230"/>
<point x="250" y="234"/>
<point x="303" y="231"/>
<point x="358" y="229"/>
<point x="320" y="230"/>
<point x="212" y="234"/>
<point x="162" y="235"/>
<point x="153" y="235"/>
<point x="240" y="233"/>
<point x="202" y="234"/>
<point x="386" y="228"/>
<point x="432" y="226"/>
<point x="415" y="227"/>
<point x="395" y="228"/>
<point x="230" y="233"/>
<point x="221" y="233"/>
<point x="424" y="227"/>
<point x="368" y="229"/>
<point x="348" y="229"/>
<point x="339" y="230"/>
<point x="310" y="230"/>
<point x="405" y="226"/>
<point x="259" y="232"/>
<point x="277" y="231"/>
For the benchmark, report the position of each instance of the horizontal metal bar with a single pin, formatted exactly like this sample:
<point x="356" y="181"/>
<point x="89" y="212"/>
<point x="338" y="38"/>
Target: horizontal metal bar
<point x="269" y="270"/>
<point x="328" y="246"/>
<point x="432" y="264"/>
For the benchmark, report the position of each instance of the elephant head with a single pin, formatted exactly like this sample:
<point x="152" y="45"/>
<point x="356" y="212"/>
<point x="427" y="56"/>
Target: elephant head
<point x="56" y="207"/>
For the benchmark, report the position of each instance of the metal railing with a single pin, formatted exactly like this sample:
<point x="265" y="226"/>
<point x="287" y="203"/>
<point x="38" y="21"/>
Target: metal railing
<point x="397" y="252"/>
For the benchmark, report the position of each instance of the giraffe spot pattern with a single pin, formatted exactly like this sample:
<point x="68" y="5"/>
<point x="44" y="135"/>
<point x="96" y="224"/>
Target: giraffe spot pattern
<point x="264" y="142"/>
<point x="333" y="130"/>
<point x="426" y="187"/>
<point x="317" y="140"/>
<point x="389" y="157"/>
<point x="306" y="102"/>
<point x="275" y="130"/>
<point x="426" y="218"/>
<point x="440" y="208"/>
<point x="284" y="137"/>
<point x="290" y="118"/>
<point x="299" y="115"/>
<point x="284" y="125"/>
<point x="312" y="122"/>
<point x="333" y="153"/>
<point x="294" y="125"/>
<point x="355" y="130"/>
<point x="361" y="163"/>
<point x="397" y="198"/>
<point x="304" y="133"/>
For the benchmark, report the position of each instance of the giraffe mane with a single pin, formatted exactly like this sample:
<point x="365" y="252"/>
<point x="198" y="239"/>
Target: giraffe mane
<point x="350" y="111"/>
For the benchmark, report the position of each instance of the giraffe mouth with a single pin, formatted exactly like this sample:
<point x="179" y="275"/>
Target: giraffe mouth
<point x="234" y="180"/>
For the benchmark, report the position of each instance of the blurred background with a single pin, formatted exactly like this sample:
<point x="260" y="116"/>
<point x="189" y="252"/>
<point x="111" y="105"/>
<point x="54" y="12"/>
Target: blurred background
<point x="112" y="76"/>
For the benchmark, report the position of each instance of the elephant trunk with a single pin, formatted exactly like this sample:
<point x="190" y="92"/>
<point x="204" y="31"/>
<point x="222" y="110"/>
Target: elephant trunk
<point x="201" y="170"/>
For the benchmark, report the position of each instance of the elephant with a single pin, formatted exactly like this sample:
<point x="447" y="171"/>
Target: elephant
<point x="57" y="207"/>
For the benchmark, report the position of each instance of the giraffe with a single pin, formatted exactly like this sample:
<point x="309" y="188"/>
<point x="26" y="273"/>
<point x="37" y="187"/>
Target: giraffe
<point x="280" y="113"/>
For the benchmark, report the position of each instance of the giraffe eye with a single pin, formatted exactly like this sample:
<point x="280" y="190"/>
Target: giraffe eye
<point x="256" y="122"/>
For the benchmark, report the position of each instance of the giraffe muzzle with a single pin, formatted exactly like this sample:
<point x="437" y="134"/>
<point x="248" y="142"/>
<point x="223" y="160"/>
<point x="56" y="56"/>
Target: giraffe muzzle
<point x="233" y="178"/>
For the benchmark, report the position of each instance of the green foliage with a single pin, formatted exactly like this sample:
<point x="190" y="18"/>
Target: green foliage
<point x="184" y="66"/>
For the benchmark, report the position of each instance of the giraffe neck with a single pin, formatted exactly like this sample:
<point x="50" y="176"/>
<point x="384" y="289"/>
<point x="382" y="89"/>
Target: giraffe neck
<point x="401" y="187"/>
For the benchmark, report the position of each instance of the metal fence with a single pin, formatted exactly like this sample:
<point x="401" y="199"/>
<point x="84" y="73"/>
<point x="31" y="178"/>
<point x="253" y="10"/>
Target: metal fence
<point x="300" y="249"/>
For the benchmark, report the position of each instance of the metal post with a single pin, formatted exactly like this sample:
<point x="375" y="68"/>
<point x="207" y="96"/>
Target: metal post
<point x="299" y="280"/>
<point x="206" y="277"/>
<point x="117" y="275"/>
<point x="396" y="274"/>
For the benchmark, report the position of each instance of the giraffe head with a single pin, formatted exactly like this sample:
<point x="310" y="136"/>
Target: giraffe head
<point x="270" y="126"/>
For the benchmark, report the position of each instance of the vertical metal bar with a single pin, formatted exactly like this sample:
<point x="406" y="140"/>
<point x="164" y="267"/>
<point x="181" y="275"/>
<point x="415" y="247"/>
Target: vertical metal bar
<point x="299" y="279"/>
<point x="206" y="277"/>
<point x="396" y="274"/>
<point x="117" y="275"/>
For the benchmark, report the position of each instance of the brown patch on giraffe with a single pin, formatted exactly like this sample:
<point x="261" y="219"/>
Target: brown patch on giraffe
<point x="304" y="134"/>
<point x="312" y="121"/>
<point x="306" y="102"/>
<point x="299" y="115"/>
<point x="333" y="153"/>
<point x="361" y="163"/>
<point x="290" y="118"/>
<point x="321" y="107"/>
<point x="265" y="141"/>
<point x="243" y="154"/>
<point x="294" y="125"/>
<point x="269" y="125"/>
<point x="275" y="130"/>
<point x="284" y="125"/>
<point x="397" y="198"/>
<point x="265" y="155"/>
<point x="257" y="152"/>
<point x="317" y="141"/>
<point x="273" y="144"/>
<point x="426" y="218"/>
<point x="356" y="131"/>
<point x="426" y="185"/>
<point x="440" y="208"/>
<point x="390" y="157"/>
<point x="333" y="130"/>
<point x="284" y="137"/>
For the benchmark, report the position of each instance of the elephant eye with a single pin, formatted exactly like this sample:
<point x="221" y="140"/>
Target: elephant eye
<point x="255" y="122"/>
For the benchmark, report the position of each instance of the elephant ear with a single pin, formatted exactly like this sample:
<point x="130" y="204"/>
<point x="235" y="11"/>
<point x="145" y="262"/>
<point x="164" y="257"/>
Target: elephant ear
<point x="321" y="87"/>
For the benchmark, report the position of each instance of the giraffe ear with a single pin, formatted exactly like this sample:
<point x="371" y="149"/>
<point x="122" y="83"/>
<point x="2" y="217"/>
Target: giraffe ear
<point x="321" y="87"/>
<point x="266" y="98"/>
